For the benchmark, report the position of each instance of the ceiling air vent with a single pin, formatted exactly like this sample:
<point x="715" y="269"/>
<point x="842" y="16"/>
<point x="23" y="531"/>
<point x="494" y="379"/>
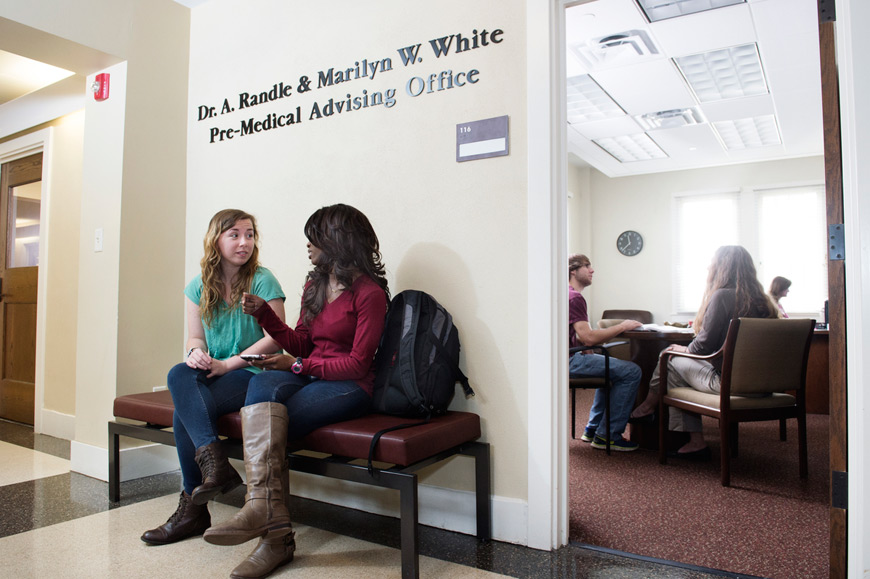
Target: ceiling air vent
<point x="617" y="49"/>
<point x="671" y="119"/>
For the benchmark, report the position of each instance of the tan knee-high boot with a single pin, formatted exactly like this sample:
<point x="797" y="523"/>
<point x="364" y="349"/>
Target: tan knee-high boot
<point x="264" y="436"/>
<point x="268" y="555"/>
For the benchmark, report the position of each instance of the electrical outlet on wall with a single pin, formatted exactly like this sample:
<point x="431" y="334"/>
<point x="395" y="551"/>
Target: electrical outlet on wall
<point x="98" y="239"/>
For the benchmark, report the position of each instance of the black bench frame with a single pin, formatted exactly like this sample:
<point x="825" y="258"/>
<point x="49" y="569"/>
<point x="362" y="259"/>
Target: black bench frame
<point x="403" y="479"/>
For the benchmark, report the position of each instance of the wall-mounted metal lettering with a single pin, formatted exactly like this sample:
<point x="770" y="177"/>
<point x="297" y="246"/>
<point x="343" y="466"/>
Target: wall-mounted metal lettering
<point x="335" y="78"/>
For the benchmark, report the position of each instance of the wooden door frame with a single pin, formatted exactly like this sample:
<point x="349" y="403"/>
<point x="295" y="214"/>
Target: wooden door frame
<point x="35" y="142"/>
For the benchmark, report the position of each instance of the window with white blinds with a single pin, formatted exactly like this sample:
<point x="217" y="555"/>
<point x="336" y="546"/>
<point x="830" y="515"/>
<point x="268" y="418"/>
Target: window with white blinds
<point x="783" y="229"/>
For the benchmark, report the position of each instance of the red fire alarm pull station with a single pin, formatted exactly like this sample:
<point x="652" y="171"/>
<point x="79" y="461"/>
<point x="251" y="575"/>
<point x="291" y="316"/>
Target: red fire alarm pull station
<point x="101" y="86"/>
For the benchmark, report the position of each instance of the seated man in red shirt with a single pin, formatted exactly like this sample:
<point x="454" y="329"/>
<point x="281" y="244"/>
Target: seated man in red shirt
<point x="624" y="376"/>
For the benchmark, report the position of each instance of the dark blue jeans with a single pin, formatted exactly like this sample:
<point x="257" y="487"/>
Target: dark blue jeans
<point x="199" y="401"/>
<point x="311" y="403"/>
<point x="625" y="378"/>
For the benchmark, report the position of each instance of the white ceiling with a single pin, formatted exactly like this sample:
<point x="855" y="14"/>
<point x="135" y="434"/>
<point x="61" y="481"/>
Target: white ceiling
<point x="786" y="34"/>
<point x="20" y="75"/>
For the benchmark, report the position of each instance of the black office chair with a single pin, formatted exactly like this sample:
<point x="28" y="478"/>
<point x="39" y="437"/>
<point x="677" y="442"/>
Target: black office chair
<point x="576" y="381"/>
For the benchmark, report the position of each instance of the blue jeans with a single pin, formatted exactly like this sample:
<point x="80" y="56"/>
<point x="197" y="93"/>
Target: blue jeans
<point x="311" y="403"/>
<point x="199" y="401"/>
<point x="624" y="378"/>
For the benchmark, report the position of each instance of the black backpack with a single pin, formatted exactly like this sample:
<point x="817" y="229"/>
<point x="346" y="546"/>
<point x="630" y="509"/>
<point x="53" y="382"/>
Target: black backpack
<point x="417" y="364"/>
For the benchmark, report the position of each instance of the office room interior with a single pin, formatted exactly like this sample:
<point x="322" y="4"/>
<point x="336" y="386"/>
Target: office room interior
<point x="130" y="181"/>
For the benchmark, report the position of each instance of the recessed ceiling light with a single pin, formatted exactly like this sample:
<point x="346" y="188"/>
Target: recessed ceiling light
<point x="656" y="10"/>
<point x="724" y="74"/>
<point x="588" y="102"/>
<point x="749" y="133"/>
<point x="630" y="148"/>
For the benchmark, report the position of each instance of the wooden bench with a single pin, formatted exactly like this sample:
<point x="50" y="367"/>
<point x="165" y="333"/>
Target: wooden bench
<point x="408" y="450"/>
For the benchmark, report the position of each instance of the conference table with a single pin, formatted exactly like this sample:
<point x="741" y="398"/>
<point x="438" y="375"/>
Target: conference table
<point x="646" y="345"/>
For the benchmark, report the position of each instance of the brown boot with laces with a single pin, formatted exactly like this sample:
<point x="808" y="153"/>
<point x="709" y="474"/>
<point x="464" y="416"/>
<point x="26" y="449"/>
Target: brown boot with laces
<point x="188" y="520"/>
<point x="218" y="475"/>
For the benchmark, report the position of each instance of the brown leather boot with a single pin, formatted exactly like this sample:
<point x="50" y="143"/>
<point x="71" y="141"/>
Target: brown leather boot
<point x="268" y="555"/>
<point x="188" y="520"/>
<point x="218" y="476"/>
<point x="264" y="438"/>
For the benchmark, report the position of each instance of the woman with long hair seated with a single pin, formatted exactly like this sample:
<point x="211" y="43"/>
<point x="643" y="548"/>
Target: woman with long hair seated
<point x="732" y="291"/>
<point x="327" y="375"/>
<point x="213" y="380"/>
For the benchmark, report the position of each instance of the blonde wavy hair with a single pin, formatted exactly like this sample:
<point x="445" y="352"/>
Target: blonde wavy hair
<point x="212" y="282"/>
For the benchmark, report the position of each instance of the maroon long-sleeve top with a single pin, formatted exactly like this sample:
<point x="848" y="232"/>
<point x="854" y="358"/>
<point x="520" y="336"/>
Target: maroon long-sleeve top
<point x="340" y="342"/>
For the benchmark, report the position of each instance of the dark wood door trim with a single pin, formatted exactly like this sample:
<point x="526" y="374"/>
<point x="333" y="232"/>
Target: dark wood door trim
<point x="836" y="288"/>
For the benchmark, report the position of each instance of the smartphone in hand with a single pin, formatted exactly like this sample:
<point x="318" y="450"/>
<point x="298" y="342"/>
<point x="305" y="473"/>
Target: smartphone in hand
<point x="251" y="357"/>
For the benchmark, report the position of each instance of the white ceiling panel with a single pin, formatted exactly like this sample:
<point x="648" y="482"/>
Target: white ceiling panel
<point x="688" y="145"/>
<point x="739" y="108"/>
<point x="729" y="26"/>
<point x="646" y="88"/>
<point x="624" y="125"/>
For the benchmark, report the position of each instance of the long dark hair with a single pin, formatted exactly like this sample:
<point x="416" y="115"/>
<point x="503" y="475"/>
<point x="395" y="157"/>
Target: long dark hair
<point x="349" y="245"/>
<point x="732" y="267"/>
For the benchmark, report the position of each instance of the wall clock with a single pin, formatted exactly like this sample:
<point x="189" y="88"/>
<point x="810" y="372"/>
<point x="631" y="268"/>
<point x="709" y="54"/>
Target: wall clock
<point x="629" y="243"/>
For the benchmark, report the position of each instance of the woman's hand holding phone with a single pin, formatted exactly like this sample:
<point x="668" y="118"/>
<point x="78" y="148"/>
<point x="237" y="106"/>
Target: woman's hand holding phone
<point x="274" y="362"/>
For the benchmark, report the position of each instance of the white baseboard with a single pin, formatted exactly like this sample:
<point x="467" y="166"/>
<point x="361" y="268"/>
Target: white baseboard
<point x="58" y="425"/>
<point x="136" y="462"/>
<point x="443" y="508"/>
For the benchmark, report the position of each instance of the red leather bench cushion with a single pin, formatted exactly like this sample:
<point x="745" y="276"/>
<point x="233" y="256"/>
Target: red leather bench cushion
<point x="407" y="446"/>
<point x="151" y="407"/>
<point x="351" y="438"/>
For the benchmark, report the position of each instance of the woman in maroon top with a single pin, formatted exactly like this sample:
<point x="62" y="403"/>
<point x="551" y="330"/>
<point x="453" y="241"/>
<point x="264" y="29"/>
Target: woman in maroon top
<point x="325" y="377"/>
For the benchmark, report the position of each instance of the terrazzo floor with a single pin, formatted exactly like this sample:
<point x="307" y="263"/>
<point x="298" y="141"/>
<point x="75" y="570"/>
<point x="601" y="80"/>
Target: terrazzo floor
<point x="56" y="523"/>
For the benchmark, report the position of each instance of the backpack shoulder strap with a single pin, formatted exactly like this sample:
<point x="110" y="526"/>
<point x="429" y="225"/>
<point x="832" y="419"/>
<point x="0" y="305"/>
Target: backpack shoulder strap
<point x="378" y="436"/>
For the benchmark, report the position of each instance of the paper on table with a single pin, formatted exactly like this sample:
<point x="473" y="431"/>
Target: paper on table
<point x="663" y="328"/>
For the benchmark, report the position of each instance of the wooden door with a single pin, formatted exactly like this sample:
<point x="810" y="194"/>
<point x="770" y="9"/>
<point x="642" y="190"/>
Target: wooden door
<point x="836" y="290"/>
<point x="20" y="198"/>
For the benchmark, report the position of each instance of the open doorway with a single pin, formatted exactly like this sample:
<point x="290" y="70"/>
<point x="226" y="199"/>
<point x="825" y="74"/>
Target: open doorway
<point x="20" y="202"/>
<point x="628" y="58"/>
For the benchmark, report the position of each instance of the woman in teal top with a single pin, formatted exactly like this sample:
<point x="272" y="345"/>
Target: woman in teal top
<point x="214" y="379"/>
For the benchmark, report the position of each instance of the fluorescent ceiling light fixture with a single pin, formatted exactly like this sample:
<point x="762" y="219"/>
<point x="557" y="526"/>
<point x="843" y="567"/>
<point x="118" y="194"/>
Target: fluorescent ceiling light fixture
<point x="656" y="10"/>
<point x="630" y="148"/>
<point x="723" y="74"/>
<point x="588" y="102"/>
<point x="748" y="133"/>
<point x="617" y="49"/>
<point x="671" y="119"/>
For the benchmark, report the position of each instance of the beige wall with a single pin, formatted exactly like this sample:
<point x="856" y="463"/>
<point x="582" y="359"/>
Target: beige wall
<point x="62" y="257"/>
<point x="644" y="204"/>
<point x="151" y="315"/>
<point x="456" y="230"/>
<point x="579" y="208"/>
